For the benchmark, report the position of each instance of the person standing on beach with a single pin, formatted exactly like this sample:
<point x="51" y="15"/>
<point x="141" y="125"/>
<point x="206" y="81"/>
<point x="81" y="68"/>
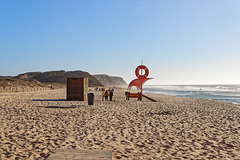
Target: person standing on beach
<point x="106" y="94"/>
<point x="111" y="94"/>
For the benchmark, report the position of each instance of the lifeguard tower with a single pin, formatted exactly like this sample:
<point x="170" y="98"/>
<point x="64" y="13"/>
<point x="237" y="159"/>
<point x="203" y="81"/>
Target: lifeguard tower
<point x="142" y="73"/>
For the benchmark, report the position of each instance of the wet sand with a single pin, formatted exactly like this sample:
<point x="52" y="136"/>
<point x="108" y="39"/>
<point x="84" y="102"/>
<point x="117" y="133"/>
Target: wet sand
<point x="33" y="124"/>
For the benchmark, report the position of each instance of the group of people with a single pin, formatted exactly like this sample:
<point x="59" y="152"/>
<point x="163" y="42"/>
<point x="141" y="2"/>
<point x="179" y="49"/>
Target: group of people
<point x="108" y="93"/>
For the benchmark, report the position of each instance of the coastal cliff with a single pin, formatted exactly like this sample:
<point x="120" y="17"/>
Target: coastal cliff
<point x="110" y="80"/>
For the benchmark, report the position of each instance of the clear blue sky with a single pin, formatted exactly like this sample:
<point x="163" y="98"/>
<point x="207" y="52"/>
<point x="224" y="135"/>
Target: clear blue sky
<point x="180" y="41"/>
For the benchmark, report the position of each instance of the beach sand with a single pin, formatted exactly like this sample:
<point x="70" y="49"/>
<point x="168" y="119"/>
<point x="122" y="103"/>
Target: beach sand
<point x="33" y="124"/>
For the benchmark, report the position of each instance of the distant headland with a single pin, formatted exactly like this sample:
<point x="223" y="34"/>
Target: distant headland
<point x="59" y="78"/>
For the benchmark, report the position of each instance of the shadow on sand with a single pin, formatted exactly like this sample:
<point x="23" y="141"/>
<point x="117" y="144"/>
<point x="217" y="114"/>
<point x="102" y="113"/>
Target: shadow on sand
<point x="56" y="100"/>
<point x="62" y="107"/>
<point x="42" y="100"/>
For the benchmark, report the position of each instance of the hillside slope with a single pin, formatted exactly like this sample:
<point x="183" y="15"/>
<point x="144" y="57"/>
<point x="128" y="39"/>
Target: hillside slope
<point x="60" y="76"/>
<point x="110" y="80"/>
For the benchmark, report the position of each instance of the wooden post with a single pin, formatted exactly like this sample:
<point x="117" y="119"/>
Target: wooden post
<point x="141" y="81"/>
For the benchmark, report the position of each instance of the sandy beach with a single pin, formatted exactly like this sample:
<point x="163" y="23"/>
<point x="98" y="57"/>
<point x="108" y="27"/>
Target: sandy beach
<point x="33" y="124"/>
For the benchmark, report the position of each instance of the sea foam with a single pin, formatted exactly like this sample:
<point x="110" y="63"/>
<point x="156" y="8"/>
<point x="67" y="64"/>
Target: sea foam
<point x="224" y="93"/>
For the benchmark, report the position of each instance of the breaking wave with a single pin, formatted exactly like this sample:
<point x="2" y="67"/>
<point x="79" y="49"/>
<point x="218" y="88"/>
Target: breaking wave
<point x="224" y="93"/>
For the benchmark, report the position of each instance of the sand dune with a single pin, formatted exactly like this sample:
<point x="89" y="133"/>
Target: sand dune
<point x="33" y="124"/>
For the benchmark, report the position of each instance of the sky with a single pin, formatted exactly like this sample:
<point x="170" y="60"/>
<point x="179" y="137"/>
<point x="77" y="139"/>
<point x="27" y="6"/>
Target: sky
<point x="180" y="41"/>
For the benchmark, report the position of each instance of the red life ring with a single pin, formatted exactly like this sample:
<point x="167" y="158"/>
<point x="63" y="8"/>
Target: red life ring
<point x="139" y="75"/>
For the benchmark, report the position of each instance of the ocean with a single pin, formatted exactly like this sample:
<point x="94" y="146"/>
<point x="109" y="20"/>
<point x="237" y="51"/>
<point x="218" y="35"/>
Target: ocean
<point x="223" y="93"/>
